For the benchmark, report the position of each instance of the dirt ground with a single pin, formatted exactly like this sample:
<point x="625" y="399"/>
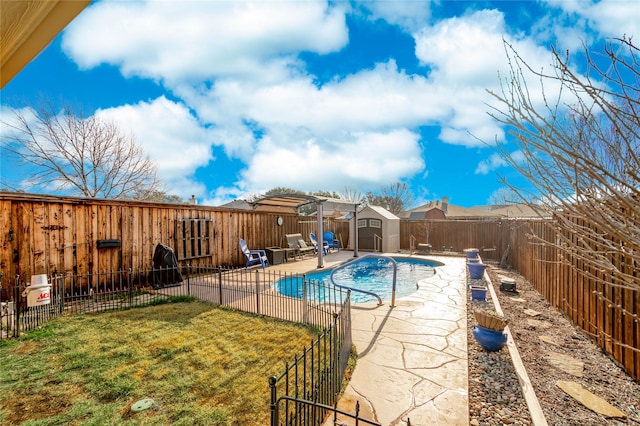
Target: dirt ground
<point x="541" y="333"/>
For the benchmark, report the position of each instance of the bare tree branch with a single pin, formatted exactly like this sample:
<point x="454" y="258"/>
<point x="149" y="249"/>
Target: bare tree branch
<point x="80" y="155"/>
<point x="395" y="197"/>
<point x="582" y="156"/>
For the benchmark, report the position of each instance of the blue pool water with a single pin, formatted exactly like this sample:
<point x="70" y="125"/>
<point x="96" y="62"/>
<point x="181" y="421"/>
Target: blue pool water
<point x="371" y="274"/>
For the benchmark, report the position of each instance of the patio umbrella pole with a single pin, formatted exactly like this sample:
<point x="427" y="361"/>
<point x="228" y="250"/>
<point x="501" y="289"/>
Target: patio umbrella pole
<point x="355" y="231"/>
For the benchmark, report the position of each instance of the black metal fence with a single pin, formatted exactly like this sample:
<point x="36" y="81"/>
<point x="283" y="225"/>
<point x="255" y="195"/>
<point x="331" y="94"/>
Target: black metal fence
<point x="310" y="386"/>
<point x="285" y="296"/>
<point x="301" y="395"/>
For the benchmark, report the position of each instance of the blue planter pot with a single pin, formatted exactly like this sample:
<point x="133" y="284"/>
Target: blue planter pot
<point x="479" y="293"/>
<point x="471" y="253"/>
<point x="490" y="340"/>
<point x="476" y="270"/>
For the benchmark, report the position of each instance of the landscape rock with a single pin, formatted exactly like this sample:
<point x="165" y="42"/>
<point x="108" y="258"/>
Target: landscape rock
<point x="589" y="400"/>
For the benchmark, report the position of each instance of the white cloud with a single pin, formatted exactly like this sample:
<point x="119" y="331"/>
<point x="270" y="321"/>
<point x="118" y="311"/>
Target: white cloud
<point x="610" y="18"/>
<point x="169" y="41"/>
<point x="378" y="98"/>
<point x="464" y="51"/>
<point x="171" y="136"/>
<point x="236" y="68"/>
<point x="466" y="55"/>
<point x="489" y="164"/>
<point x="410" y="15"/>
<point x="365" y="160"/>
<point x="496" y="161"/>
<point x="10" y="123"/>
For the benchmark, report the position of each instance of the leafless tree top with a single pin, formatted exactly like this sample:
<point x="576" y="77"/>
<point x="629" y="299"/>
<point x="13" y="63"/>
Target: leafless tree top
<point x="88" y="156"/>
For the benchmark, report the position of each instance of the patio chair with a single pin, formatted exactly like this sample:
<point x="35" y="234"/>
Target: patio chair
<point x="296" y="242"/>
<point x="331" y="240"/>
<point x="253" y="256"/>
<point x="314" y="241"/>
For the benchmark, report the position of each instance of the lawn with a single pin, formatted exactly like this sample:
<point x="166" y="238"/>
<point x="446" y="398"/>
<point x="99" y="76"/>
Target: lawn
<point x="199" y="363"/>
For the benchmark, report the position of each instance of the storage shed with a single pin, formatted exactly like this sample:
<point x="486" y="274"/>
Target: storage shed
<point x="378" y="230"/>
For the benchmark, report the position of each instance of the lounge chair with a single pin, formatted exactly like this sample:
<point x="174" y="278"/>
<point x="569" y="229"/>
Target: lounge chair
<point x="253" y="256"/>
<point x="329" y="238"/>
<point x="314" y="241"/>
<point x="296" y="243"/>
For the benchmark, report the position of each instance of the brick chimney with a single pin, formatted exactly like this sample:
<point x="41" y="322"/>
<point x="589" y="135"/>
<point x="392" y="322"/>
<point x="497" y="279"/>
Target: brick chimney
<point x="445" y="204"/>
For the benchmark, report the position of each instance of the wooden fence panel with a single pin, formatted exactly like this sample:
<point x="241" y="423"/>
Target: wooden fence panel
<point x="456" y="235"/>
<point x="605" y="309"/>
<point x="53" y="234"/>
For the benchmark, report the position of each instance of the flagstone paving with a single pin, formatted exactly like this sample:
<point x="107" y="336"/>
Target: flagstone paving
<point x="412" y="357"/>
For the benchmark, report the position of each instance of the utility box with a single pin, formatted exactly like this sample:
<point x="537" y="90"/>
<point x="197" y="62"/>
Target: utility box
<point x="507" y="284"/>
<point x="38" y="292"/>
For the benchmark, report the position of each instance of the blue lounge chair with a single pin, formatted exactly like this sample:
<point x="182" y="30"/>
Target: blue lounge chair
<point x="314" y="241"/>
<point x="254" y="256"/>
<point x="329" y="238"/>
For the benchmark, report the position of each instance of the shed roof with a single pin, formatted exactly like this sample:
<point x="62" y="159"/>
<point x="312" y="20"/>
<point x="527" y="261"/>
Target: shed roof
<point x="383" y="212"/>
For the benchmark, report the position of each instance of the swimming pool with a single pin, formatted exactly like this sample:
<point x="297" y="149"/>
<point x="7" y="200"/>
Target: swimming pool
<point x="371" y="274"/>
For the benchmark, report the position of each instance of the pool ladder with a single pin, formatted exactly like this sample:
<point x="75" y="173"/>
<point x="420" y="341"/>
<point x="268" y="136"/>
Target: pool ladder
<point x="366" y="256"/>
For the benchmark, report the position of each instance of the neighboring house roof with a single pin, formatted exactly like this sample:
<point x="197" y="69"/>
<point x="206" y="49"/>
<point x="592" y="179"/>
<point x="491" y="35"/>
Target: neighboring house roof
<point x="419" y="215"/>
<point x="514" y="210"/>
<point x="237" y="204"/>
<point x="452" y="211"/>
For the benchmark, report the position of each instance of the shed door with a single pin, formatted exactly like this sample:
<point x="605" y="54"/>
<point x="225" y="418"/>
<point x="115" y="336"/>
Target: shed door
<point x="367" y="228"/>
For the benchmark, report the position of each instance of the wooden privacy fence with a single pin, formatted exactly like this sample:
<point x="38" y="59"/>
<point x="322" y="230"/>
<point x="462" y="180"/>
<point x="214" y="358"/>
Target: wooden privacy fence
<point x="49" y="235"/>
<point x="604" y="309"/>
<point x="490" y="236"/>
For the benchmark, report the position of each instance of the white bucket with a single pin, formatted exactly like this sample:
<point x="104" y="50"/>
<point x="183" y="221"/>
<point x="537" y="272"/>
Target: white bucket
<point x="39" y="280"/>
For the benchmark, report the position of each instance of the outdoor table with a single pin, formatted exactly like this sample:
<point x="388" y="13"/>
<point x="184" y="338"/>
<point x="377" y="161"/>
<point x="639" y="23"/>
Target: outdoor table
<point x="276" y="255"/>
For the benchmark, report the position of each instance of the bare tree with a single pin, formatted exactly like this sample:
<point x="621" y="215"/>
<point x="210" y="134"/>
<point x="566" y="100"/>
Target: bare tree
<point x="85" y="156"/>
<point x="504" y="197"/>
<point x="582" y="157"/>
<point x="353" y="195"/>
<point x="395" y="197"/>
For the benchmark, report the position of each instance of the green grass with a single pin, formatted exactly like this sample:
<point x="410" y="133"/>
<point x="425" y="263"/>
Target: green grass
<point x="201" y="364"/>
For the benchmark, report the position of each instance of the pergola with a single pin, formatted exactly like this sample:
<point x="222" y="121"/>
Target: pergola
<point x="295" y="201"/>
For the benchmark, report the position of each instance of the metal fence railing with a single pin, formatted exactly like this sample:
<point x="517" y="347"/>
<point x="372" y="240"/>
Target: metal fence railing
<point x="264" y="292"/>
<point x="302" y="394"/>
<point x="309" y="387"/>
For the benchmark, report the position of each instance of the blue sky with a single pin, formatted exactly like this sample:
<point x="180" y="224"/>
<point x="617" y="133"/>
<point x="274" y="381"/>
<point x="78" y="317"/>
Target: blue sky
<point x="234" y="98"/>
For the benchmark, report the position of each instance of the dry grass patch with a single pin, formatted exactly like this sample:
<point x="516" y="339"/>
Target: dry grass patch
<point x="201" y="364"/>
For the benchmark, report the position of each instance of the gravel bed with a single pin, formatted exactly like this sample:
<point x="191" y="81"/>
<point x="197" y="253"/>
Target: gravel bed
<point x="495" y="396"/>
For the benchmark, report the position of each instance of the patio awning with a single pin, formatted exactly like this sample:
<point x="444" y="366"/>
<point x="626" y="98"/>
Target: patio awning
<point x="295" y="201"/>
<point x="27" y="27"/>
